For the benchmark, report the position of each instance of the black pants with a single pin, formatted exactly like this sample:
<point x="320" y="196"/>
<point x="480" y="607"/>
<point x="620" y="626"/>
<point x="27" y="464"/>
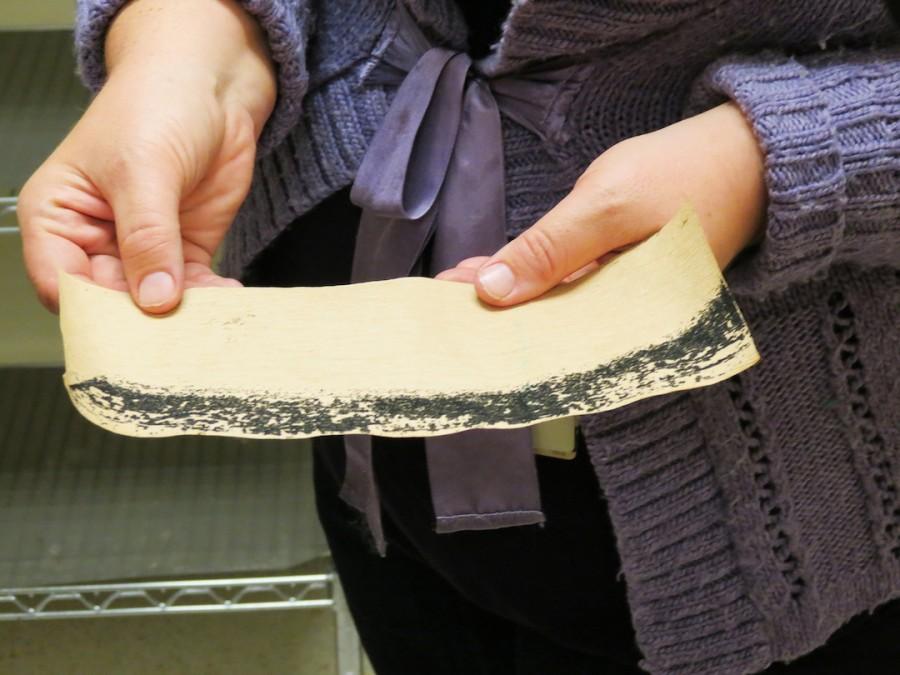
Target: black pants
<point x="519" y="601"/>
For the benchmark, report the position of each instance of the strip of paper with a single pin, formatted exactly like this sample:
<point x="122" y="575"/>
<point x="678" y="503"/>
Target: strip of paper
<point x="406" y="357"/>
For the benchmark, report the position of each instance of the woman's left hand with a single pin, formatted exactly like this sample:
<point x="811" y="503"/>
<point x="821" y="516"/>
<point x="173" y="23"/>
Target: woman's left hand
<point x="711" y="160"/>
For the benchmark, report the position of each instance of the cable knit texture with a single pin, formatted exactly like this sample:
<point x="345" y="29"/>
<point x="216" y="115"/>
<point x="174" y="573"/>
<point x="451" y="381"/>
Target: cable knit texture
<point x="830" y="128"/>
<point x="753" y="517"/>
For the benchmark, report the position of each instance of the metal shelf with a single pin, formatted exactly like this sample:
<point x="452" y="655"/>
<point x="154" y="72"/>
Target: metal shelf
<point x="189" y="596"/>
<point x="169" y="523"/>
<point x="192" y="596"/>
<point x="8" y="207"/>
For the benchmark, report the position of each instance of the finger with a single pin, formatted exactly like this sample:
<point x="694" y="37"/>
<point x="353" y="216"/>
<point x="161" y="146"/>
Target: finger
<point x="570" y="236"/>
<point x="107" y="271"/>
<point x="70" y="211"/>
<point x="461" y="274"/>
<point x="145" y="202"/>
<point x="473" y="263"/>
<point x="46" y="256"/>
<point x="467" y="264"/>
<point x="197" y="275"/>
<point x="77" y="193"/>
<point x="577" y="274"/>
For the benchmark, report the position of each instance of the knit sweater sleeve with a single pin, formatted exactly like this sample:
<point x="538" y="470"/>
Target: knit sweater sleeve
<point x="284" y="23"/>
<point x="829" y="126"/>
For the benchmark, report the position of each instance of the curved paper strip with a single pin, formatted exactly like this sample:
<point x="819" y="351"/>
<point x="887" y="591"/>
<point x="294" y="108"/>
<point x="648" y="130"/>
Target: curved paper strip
<point x="407" y="356"/>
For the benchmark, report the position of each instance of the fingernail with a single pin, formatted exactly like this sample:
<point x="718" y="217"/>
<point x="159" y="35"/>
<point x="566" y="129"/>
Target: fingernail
<point x="498" y="280"/>
<point x="157" y="288"/>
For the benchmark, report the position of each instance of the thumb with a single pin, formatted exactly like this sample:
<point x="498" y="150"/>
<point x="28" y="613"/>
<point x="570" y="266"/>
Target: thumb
<point x="566" y="239"/>
<point x="145" y="207"/>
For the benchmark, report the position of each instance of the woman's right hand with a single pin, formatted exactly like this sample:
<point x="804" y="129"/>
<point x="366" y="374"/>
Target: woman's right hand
<point x="140" y="193"/>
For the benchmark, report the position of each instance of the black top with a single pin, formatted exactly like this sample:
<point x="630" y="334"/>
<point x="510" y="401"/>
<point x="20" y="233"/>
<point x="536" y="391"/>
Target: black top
<point x="485" y="19"/>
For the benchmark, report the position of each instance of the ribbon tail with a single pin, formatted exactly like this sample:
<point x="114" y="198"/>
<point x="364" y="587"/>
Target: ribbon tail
<point x="388" y="248"/>
<point x="359" y="488"/>
<point x="472" y="203"/>
<point x="483" y="479"/>
<point x="397" y="186"/>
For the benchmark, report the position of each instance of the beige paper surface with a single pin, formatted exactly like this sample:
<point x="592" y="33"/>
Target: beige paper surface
<point x="407" y="356"/>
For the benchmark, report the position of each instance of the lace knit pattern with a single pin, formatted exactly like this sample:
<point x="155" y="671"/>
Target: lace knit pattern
<point x="753" y="517"/>
<point x="756" y="516"/>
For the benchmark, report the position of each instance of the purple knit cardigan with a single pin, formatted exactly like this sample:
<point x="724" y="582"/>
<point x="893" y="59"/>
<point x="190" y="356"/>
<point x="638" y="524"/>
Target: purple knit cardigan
<point x="756" y="516"/>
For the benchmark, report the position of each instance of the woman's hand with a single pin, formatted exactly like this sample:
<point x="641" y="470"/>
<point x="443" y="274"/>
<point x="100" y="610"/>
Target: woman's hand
<point x="711" y="160"/>
<point x="141" y="192"/>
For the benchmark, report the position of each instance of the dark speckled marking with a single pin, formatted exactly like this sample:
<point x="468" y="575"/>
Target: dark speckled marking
<point x="686" y="358"/>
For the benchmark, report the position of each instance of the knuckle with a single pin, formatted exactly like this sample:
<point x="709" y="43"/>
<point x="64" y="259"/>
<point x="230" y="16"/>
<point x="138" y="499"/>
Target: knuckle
<point x="148" y="240"/>
<point x="610" y="187"/>
<point x="29" y="201"/>
<point x="612" y="201"/>
<point x="126" y="167"/>
<point x="136" y="163"/>
<point x="540" y="254"/>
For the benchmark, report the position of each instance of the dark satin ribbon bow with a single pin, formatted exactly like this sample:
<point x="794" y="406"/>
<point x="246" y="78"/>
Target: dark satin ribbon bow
<point x="434" y="173"/>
